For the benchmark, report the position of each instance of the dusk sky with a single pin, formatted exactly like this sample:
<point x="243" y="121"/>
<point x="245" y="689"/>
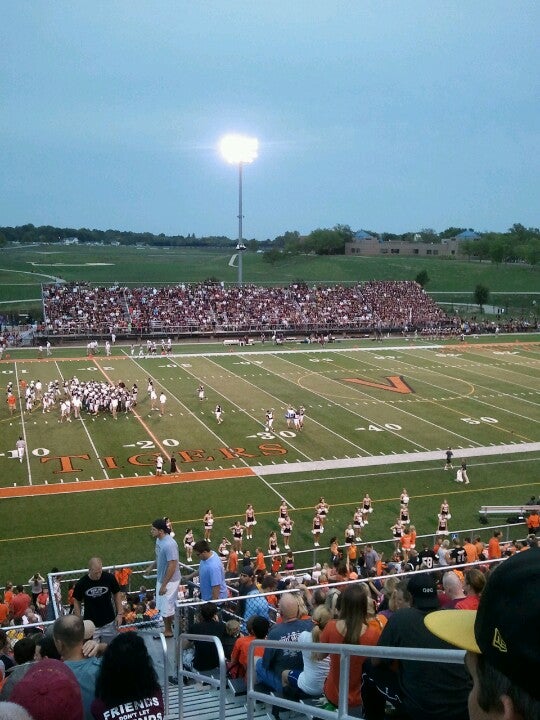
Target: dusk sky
<point x="388" y="116"/>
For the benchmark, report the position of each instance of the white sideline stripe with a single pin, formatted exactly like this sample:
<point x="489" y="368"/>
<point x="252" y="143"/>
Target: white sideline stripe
<point x="21" y="409"/>
<point x="394" y="459"/>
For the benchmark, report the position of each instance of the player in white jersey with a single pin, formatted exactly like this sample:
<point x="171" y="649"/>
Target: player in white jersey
<point x="21" y="448"/>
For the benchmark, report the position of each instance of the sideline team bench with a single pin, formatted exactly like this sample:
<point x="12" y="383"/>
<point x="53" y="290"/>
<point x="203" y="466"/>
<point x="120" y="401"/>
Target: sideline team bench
<point x="519" y="511"/>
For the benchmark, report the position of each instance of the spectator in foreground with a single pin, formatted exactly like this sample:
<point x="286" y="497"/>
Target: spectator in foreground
<point x="274" y="660"/>
<point x="126" y="675"/>
<point x="49" y="690"/>
<point x="427" y="690"/>
<point x="257" y="627"/>
<point x="352" y="628"/>
<point x="502" y="641"/>
<point x="68" y="633"/>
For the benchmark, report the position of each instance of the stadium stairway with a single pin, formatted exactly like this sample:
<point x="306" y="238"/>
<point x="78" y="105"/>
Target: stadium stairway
<point x="203" y="704"/>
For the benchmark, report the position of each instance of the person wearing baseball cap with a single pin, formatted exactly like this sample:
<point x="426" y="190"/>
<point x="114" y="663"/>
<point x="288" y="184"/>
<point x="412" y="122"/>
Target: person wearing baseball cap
<point x="253" y="603"/>
<point x="168" y="573"/>
<point x="424" y="690"/>
<point x="502" y="640"/>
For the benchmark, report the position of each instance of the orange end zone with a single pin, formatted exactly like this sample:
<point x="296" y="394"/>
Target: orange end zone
<point x="119" y="483"/>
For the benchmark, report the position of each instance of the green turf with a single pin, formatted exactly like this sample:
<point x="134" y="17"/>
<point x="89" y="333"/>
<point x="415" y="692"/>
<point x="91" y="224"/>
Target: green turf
<point x="464" y="396"/>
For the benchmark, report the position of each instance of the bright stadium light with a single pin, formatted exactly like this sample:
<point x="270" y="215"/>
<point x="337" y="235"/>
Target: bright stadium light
<point x="239" y="150"/>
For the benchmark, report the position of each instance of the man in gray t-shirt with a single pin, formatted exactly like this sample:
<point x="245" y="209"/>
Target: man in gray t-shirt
<point x="168" y="573"/>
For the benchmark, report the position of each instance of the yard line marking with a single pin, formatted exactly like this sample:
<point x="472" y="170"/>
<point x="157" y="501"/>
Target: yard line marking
<point x="136" y="414"/>
<point x="310" y="418"/>
<point x="189" y="372"/>
<point x="26" y="453"/>
<point x="471" y="397"/>
<point x="334" y="403"/>
<point x="94" y="448"/>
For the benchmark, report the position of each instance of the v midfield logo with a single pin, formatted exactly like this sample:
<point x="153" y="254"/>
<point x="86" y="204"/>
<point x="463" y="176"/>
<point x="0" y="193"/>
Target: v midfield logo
<point x="396" y="384"/>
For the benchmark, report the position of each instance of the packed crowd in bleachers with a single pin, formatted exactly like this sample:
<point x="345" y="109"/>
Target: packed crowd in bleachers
<point x="351" y="598"/>
<point x="73" y="309"/>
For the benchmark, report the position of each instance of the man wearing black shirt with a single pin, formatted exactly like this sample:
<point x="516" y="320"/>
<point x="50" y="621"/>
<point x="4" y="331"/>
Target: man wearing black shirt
<point x="427" y="557"/>
<point x="100" y="593"/>
<point x="457" y="554"/>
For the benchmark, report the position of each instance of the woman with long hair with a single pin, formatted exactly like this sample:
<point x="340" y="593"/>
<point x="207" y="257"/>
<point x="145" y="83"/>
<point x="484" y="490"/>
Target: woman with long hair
<point x="352" y="628"/>
<point x="127" y="674"/>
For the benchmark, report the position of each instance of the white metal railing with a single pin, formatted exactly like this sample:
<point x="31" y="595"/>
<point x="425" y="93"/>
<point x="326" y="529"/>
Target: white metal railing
<point x="345" y="653"/>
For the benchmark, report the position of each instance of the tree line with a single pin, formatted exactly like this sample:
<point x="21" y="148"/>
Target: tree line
<point x="517" y="244"/>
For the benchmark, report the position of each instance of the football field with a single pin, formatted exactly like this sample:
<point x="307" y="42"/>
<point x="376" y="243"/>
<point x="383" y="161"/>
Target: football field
<point x="378" y="417"/>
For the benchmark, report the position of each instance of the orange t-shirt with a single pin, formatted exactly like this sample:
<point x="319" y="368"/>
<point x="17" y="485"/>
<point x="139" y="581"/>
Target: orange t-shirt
<point x="232" y="562"/>
<point x="240" y="650"/>
<point x="122" y="576"/>
<point x="494" y="549"/>
<point x="405" y="541"/>
<point x="12" y="401"/>
<point x="259" y="562"/>
<point x="533" y="522"/>
<point x="330" y="634"/>
<point x="4" y="612"/>
<point x="471" y="552"/>
<point x="8" y="596"/>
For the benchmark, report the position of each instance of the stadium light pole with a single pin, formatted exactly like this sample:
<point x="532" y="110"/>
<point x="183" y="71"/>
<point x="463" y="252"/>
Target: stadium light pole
<point x="239" y="150"/>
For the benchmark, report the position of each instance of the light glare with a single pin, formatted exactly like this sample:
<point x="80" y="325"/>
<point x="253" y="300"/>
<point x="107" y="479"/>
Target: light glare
<point x="237" y="149"/>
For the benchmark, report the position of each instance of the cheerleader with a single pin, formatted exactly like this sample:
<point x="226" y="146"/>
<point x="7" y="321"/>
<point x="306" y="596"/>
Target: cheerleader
<point x="208" y="522"/>
<point x="397" y="532"/>
<point x="445" y="509"/>
<point x="238" y="534"/>
<point x="250" y="522"/>
<point x="189" y="542"/>
<point x="316" y="529"/>
<point x="286" y="531"/>
<point x="404" y="514"/>
<point x="442" y="528"/>
<point x="170" y="530"/>
<point x="349" y="534"/>
<point x="218" y="412"/>
<point x="322" y="508"/>
<point x="404" y="497"/>
<point x="358" y="523"/>
<point x="273" y="548"/>
<point x="335" y="553"/>
<point x="283" y="513"/>
<point x="367" y="508"/>
<point x="223" y="548"/>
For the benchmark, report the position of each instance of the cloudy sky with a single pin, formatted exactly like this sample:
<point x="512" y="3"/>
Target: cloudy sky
<point x="384" y="115"/>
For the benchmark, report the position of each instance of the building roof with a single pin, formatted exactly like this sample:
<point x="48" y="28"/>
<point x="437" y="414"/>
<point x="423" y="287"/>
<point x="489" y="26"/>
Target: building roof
<point x="362" y="235"/>
<point x="467" y="235"/>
